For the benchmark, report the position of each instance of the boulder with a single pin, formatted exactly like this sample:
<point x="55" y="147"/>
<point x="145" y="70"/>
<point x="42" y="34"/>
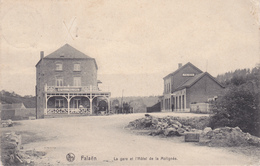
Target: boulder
<point x="180" y="131"/>
<point x="206" y="130"/>
<point x="169" y="132"/>
<point x="176" y="123"/>
<point x="7" y="123"/>
<point x="175" y="126"/>
<point x="156" y="132"/>
<point x="154" y="121"/>
<point x="147" y="115"/>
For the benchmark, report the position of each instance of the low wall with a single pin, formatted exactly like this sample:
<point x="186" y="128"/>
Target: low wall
<point x="7" y="114"/>
<point x="25" y="113"/>
<point x="18" y="114"/>
<point x="200" y="108"/>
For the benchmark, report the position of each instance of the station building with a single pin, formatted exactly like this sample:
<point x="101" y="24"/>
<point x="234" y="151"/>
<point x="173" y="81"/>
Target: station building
<point x="186" y="86"/>
<point x="66" y="83"/>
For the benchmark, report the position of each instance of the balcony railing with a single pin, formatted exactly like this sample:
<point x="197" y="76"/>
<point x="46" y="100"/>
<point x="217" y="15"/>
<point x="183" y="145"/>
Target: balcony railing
<point x="75" y="89"/>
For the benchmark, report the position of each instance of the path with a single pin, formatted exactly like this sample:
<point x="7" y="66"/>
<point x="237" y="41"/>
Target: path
<point x="105" y="139"/>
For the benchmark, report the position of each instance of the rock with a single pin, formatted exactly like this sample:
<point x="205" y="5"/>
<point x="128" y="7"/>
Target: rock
<point x="157" y="132"/>
<point x="237" y="129"/>
<point x="187" y="128"/>
<point x="175" y="126"/>
<point x="180" y="131"/>
<point x="169" y="132"/>
<point x="7" y="123"/>
<point x="154" y="121"/>
<point x="206" y="130"/>
<point x="147" y="115"/>
<point x="176" y="123"/>
<point x="148" y="123"/>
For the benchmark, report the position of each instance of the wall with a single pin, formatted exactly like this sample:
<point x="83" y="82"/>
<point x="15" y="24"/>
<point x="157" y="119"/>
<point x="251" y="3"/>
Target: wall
<point x="178" y="79"/>
<point x="7" y="114"/>
<point x="202" y="90"/>
<point x="25" y="113"/>
<point x="154" y="108"/>
<point x="46" y="74"/>
<point x="18" y="114"/>
<point x="200" y="108"/>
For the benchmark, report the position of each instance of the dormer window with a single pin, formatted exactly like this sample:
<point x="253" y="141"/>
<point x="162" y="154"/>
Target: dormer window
<point x="59" y="66"/>
<point x="76" y="67"/>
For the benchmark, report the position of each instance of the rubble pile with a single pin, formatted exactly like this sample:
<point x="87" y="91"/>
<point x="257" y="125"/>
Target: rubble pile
<point x="228" y="136"/>
<point x="168" y="126"/>
<point x="177" y="126"/>
<point x="11" y="150"/>
<point x="194" y="122"/>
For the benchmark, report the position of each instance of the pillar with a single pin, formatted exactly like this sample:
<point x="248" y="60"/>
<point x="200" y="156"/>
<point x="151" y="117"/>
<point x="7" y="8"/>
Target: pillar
<point x="108" y="105"/>
<point x="46" y="104"/>
<point x="68" y="100"/>
<point x="177" y="103"/>
<point x="90" y="103"/>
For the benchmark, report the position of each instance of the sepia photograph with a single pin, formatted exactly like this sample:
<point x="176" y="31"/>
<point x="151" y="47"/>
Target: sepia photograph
<point x="129" y="82"/>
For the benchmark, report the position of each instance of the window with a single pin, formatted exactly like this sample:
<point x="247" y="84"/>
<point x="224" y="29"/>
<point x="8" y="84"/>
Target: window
<point x="59" y="81"/>
<point x="59" y="66"/>
<point x="77" y="81"/>
<point x="76" y="67"/>
<point x="59" y="103"/>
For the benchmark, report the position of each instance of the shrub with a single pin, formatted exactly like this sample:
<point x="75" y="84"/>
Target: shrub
<point x="238" y="107"/>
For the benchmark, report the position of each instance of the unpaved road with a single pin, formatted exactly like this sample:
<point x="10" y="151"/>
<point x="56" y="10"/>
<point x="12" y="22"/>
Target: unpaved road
<point x="105" y="138"/>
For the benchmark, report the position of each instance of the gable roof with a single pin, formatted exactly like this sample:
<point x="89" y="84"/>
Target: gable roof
<point x="67" y="52"/>
<point x="179" y="69"/>
<point x="195" y="79"/>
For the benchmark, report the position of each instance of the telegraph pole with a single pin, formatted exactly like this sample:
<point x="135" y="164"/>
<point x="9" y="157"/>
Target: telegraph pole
<point x="122" y="100"/>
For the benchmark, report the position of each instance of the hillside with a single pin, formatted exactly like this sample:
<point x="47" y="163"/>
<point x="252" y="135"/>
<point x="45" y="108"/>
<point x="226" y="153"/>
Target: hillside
<point x="240" y="77"/>
<point x="11" y="97"/>
<point x="138" y="103"/>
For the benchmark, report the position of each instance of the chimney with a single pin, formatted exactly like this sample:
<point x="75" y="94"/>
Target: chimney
<point x="179" y="65"/>
<point x="42" y="54"/>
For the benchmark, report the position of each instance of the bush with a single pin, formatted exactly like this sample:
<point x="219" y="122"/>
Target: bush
<point x="238" y="107"/>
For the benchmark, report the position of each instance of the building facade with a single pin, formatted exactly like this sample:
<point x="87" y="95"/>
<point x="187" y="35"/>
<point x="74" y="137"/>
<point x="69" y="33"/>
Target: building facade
<point x="66" y="83"/>
<point x="188" y="85"/>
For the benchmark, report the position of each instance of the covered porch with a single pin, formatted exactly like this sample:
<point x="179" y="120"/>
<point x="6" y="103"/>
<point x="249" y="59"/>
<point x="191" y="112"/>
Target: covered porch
<point x="74" y="100"/>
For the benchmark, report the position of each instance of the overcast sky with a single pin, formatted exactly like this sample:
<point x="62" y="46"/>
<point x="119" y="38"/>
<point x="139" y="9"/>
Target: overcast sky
<point x="135" y="42"/>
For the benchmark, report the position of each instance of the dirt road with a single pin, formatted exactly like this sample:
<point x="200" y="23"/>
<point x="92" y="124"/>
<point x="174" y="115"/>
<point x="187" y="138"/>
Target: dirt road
<point x="102" y="140"/>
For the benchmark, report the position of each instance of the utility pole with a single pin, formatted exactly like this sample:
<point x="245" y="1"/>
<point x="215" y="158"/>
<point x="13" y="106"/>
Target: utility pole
<point x="122" y="100"/>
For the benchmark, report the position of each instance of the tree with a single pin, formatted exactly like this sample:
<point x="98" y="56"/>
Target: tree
<point x="238" y="107"/>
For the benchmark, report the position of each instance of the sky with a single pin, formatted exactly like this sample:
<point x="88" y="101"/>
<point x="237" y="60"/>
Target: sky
<point x="135" y="42"/>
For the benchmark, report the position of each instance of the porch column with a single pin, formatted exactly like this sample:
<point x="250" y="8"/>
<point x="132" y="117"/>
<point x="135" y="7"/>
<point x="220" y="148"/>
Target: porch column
<point x="68" y="100"/>
<point x="177" y="103"/>
<point x="90" y="103"/>
<point x="108" y="105"/>
<point x="184" y="102"/>
<point x="46" y="105"/>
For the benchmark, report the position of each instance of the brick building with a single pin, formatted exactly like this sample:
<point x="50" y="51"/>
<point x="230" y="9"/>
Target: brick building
<point x="66" y="83"/>
<point x="188" y="85"/>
